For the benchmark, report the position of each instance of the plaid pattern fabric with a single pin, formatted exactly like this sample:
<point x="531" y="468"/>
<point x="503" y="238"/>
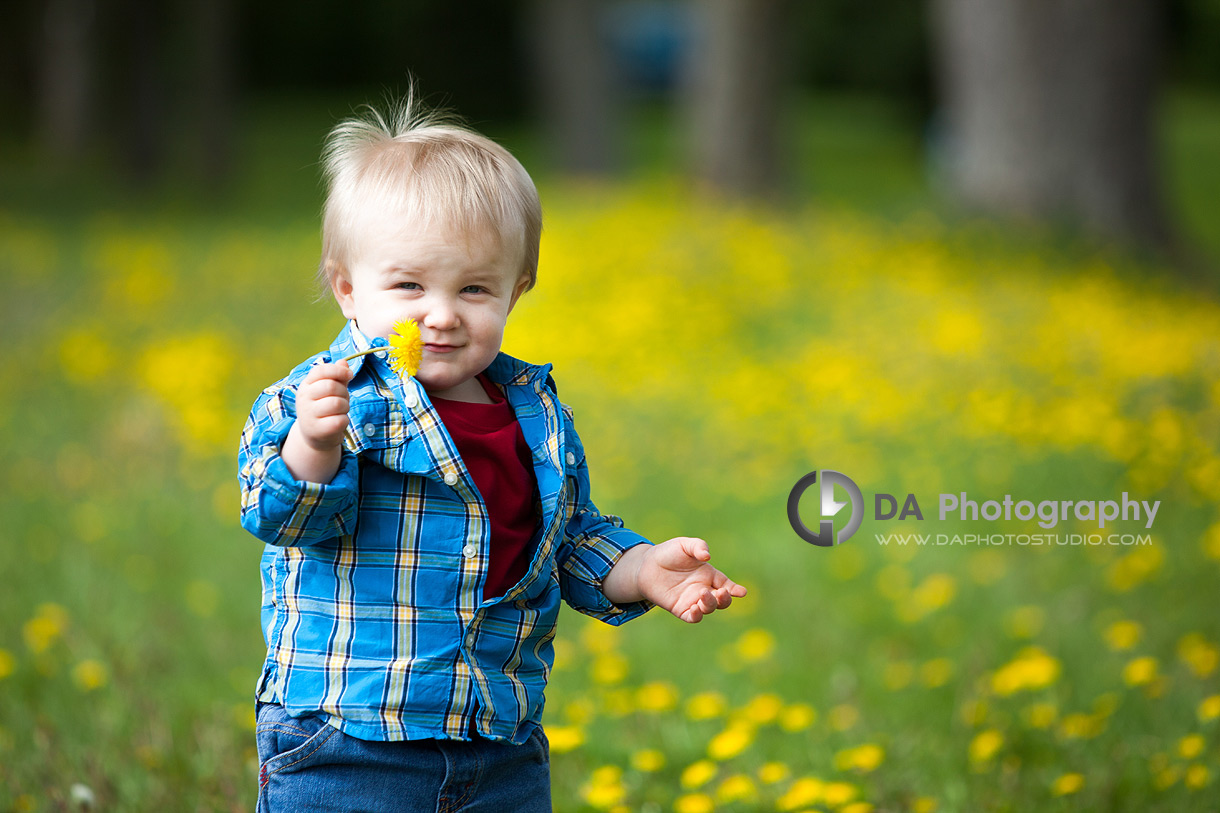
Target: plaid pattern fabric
<point x="372" y="584"/>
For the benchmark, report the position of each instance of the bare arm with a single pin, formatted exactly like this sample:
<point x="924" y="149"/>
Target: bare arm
<point x="314" y="446"/>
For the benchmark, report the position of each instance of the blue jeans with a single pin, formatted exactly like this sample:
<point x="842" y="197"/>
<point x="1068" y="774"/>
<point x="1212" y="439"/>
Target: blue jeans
<point x="308" y="765"/>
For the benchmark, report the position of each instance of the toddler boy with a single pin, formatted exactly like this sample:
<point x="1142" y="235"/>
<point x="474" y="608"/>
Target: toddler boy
<point x="421" y="531"/>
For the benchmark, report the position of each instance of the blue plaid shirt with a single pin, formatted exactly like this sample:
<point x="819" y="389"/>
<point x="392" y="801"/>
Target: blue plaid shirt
<point x="373" y="605"/>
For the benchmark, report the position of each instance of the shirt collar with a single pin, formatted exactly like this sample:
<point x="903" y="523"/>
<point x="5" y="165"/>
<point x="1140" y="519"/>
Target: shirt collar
<point x="504" y="369"/>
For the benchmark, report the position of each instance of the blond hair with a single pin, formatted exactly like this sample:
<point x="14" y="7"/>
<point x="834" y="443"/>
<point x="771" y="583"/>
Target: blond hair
<point x="424" y="164"/>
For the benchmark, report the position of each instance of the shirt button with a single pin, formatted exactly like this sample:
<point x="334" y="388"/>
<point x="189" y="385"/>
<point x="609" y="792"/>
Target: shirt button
<point x="370" y="429"/>
<point x="469" y="551"/>
<point x="571" y="458"/>
<point x="412" y="400"/>
<point x="450" y="479"/>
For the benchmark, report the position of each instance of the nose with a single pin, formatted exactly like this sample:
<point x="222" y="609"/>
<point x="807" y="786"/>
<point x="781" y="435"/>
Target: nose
<point x="441" y="315"/>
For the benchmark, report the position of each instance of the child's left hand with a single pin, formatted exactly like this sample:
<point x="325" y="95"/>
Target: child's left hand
<point x="674" y="575"/>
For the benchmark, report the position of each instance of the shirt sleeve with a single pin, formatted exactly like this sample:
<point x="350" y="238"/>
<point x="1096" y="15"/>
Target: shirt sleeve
<point x="277" y="508"/>
<point x="593" y="543"/>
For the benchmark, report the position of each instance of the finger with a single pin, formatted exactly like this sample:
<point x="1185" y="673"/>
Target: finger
<point x="338" y="371"/>
<point x="330" y="405"/>
<point x="696" y="548"/>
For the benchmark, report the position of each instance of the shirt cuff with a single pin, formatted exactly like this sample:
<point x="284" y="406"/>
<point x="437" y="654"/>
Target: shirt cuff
<point x="587" y="568"/>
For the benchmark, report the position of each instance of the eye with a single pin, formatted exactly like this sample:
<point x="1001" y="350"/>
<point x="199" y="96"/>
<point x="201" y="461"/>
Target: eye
<point x="408" y="286"/>
<point x="473" y="289"/>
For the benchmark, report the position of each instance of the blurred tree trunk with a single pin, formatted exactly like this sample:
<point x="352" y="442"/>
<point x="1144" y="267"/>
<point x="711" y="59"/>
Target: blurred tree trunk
<point x="64" y="76"/>
<point x="1049" y="108"/>
<point x="734" y="91"/>
<point x="578" y="97"/>
<point x="140" y="30"/>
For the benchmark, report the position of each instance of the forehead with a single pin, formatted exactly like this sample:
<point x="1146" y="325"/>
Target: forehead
<point x="386" y="233"/>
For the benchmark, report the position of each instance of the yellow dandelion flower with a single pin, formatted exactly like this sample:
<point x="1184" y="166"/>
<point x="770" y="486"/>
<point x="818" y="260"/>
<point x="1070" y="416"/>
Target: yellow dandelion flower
<point x="772" y="772"/>
<point x="898" y="674"/>
<point x="406" y="349"/>
<point x="755" y="645"/>
<point x="694" y="803"/>
<point x="797" y="717"/>
<point x="579" y="711"/>
<point x="647" y="760"/>
<point x="924" y="804"/>
<point x="1077" y="726"/>
<point x="1190" y="746"/>
<point x="863" y="758"/>
<point x="1140" y="671"/>
<point x="1123" y="635"/>
<point x="736" y="788"/>
<point x="697" y="774"/>
<point x="936" y="672"/>
<point x="1067" y="784"/>
<point x="1209" y="709"/>
<point x="1199" y="654"/>
<point x="89" y="675"/>
<point x="762" y="708"/>
<point x="1197" y="776"/>
<point x="1041" y="715"/>
<point x="608" y="668"/>
<point x="839" y="793"/>
<point x="657" y="696"/>
<point x="8" y="664"/>
<point x="857" y="807"/>
<point x="985" y="745"/>
<point x="564" y="738"/>
<point x="731" y="742"/>
<point x="1166" y="777"/>
<point x="706" y="705"/>
<point x="804" y="791"/>
<point x="46" y="626"/>
<point x="1031" y="669"/>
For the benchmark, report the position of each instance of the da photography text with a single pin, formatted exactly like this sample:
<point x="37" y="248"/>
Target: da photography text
<point x="960" y="506"/>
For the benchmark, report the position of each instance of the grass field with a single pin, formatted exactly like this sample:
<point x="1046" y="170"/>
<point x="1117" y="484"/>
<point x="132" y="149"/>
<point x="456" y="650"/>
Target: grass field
<point x="713" y="355"/>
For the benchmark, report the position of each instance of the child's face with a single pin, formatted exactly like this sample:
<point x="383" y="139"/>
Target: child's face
<point x="459" y="289"/>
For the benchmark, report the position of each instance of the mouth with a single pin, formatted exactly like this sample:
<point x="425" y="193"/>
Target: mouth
<point x="433" y="347"/>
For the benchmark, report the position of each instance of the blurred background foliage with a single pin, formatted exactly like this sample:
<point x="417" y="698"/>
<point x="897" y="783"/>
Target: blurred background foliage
<point x="833" y="286"/>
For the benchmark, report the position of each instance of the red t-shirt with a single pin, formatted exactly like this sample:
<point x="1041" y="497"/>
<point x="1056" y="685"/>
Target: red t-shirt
<point x="490" y="442"/>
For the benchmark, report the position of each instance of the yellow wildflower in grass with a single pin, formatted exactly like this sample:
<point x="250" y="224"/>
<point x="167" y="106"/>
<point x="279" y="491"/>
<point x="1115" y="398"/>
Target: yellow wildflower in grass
<point x="1122" y="635"/>
<point x="697" y="774"/>
<point x="731" y="742"/>
<point x="8" y="664"/>
<point x="736" y="788"/>
<point x="857" y="807"/>
<point x="605" y="787"/>
<point x="89" y="675"/>
<point x="1031" y="669"/>
<point x="579" y="711"/>
<point x="657" y="696"/>
<point x="934" y="592"/>
<point x="1190" y="746"/>
<point x="1197" y="776"/>
<point x="608" y="668"/>
<point x="647" y="760"/>
<point x="598" y="638"/>
<point x="406" y="350"/>
<point x="1166" y="777"/>
<point x="762" y="708"/>
<point x="619" y="702"/>
<point x="838" y="793"/>
<point x="1209" y="708"/>
<point x="1140" y="671"/>
<point x="797" y="717"/>
<point x="924" y="804"/>
<point x="694" y="803"/>
<point x="1041" y="715"/>
<point x="1199" y="654"/>
<point x="936" y="672"/>
<point x="1080" y="726"/>
<point x="1211" y="539"/>
<point x="863" y="758"/>
<point x="804" y="791"/>
<point x="45" y="627"/>
<point x="755" y="645"/>
<point x="706" y="705"/>
<point x="1067" y="784"/>
<point x="843" y="716"/>
<point x="1135" y="568"/>
<point x="564" y="738"/>
<point x="985" y="745"/>
<point x="771" y="772"/>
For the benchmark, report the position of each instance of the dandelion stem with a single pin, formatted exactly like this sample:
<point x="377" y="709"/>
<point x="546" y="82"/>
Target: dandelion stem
<point x="365" y="353"/>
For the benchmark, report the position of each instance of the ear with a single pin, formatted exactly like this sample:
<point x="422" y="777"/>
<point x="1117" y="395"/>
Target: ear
<point x="341" y="286"/>
<point x="522" y="285"/>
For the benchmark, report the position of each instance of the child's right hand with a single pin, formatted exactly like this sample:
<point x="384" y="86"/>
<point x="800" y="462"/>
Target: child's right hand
<point x="322" y="404"/>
